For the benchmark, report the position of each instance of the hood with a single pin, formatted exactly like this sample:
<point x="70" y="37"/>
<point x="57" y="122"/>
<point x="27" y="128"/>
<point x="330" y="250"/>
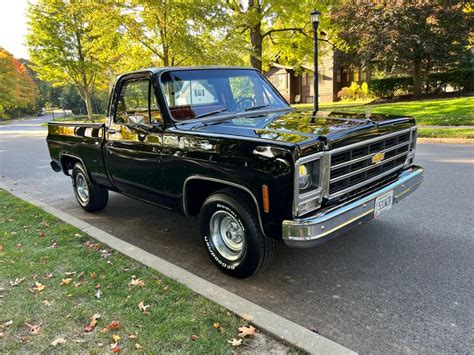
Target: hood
<point x="334" y="129"/>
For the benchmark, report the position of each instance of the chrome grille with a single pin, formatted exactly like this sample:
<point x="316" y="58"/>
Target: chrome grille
<point x="352" y="168"/>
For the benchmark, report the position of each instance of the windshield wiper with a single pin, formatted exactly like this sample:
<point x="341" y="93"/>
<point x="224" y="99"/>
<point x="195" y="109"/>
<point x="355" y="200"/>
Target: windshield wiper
<point x="210" y="113"/>
<point x="256" y="107"/>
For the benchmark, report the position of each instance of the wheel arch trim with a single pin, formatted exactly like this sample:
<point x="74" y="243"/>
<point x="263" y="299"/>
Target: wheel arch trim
<point x="225" y="182"/>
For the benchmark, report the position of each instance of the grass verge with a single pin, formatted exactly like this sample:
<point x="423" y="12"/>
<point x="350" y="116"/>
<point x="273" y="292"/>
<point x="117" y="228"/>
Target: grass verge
<point x="451" y="132"/>
<point x="73" y="267"/>
<point x="435" y="112"/>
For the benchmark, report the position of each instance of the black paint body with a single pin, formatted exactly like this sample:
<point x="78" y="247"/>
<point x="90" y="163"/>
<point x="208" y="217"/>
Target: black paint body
<point x="176" y="164"/>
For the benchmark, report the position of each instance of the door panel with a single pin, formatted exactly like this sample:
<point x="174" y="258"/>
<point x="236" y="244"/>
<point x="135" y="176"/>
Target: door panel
<point x="133" y="146"/>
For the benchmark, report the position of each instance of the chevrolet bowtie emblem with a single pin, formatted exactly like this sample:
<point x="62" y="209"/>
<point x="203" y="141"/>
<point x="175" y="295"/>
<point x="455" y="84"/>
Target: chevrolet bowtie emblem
<point x="378" y="157"/>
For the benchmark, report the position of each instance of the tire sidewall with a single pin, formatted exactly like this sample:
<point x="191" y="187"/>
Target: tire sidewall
<point x="79" y="169"/>
<point x="248" y="261"/>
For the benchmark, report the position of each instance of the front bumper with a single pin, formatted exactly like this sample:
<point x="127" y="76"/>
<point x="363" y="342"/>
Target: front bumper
<point x="314" y="230"/>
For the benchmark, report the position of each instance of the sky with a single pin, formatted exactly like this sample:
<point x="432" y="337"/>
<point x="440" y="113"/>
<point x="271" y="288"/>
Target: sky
<point x="13" y="27"/>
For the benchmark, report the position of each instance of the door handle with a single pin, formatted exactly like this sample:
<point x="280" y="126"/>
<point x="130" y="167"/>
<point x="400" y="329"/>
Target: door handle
<point x="111" y="131"/>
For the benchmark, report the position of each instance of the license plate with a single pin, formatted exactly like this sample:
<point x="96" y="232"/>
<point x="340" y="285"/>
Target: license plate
<point x="383" y="203"/>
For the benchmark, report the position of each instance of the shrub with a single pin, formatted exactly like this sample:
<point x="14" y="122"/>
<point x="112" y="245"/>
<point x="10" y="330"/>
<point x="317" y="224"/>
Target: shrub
<point x="350" y="93"/>
<point x="460" y="80"/>
<point x="364" y="91"/>
<point x="386" y="88"/>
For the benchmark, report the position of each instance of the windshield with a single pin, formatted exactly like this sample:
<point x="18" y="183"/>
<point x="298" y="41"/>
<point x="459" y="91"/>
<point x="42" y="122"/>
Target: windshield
<point x="198" y="93"/>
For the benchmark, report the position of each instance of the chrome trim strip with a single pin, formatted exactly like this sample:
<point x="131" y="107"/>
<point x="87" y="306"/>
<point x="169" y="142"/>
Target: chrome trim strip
<point x="368" y="156"/>
<point x="370" y="167"/>
<point x="360" y="184"/>
<point x="369" y="141"/>
<point x="200" y="177"/>
<point x="312" y="231"/>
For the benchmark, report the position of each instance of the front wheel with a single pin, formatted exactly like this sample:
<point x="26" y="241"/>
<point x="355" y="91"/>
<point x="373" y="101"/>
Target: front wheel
<point x="91" y="197"/>
<point x="232" y="234"/>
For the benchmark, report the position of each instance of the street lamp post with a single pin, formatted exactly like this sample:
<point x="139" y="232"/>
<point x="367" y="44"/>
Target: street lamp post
<point x="315" y="15"/>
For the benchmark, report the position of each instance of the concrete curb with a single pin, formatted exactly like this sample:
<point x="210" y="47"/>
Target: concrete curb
<point x="269" y="322"/>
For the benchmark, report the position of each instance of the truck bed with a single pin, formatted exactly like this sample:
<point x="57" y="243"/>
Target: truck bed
<point x="69" y="142"/>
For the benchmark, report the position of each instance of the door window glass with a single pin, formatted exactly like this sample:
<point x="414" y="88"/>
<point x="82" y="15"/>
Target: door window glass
<point x="132" y="104"/>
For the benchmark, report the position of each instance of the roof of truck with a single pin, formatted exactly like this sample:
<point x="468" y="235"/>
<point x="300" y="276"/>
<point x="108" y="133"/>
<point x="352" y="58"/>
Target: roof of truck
<point x="157" y="70"/>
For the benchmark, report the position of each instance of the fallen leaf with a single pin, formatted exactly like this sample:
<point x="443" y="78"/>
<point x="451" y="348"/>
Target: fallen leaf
<point x="1" y="334"/>
<point x="77" y="235"/>
<point x="132" y="336"/>
<point x="247" y="317"/>
<point x="194" y="337"/>
<point x="42" y="234"/>
<point x="235" y="342"/>
<point x="34" y="328"/>
<point x="104" y="330"/>
<point x="114" y="325"/>
<point x="81" y="275"/>
<point x="58" y="341"/>
<point x="2" y="248"/>
<point x="6" y="324"/>
<point x="47" y="303"/>
<point x="45" y="223"/>
<point x="16" y="282"/>
<point x="92" y="323"/>
<point x="158" y="282"/>
<point x="66" y="282"/>
<point x="48" y="276"/>
<point x="93" y="275"/>
<point x="19" y="245"/>
<point x="138" y="346"/>
<point x="115" y="348"/>
<point x="38" y="287"/>
<point x="136" y="282"/>
<point x="53" y="245"/>
<point x="116" y="338"/>
<point x="216" y="325"/>
<point x="69" y="273"/>
<point x="144" y="308"/>
<point x="98" y="293"/>
<point x="109" y="262"/>
<point x="104" y="254"/>
<point x="79" y="341"/>
<point x="247" y="331"/>
<point x="77" y="284"/>
<point x="97" y="286"/>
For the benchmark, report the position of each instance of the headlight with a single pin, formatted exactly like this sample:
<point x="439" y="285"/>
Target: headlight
<point x="304" y="177"/>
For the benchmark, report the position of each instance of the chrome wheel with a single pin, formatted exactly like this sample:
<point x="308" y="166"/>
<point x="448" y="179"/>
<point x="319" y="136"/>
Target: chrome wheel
<point x="82" y="188"/>
<point x="227" y="235"/>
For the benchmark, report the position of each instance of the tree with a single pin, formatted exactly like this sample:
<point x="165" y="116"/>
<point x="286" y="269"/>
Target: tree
<point x="276" y="29"/>
<point x="18" y="91"/>
<point x="415" y="36"/>
<point x="72" y="43"/>
<point x="174" y="32"/>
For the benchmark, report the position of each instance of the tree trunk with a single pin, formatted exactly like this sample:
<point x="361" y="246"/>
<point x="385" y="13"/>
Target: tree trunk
<point x="417" y="78"/>
<point x="256" y="39"/>
<point x="88" y="101"/>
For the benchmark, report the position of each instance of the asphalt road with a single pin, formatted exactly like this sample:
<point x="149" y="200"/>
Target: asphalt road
<point x="400" y="284"/>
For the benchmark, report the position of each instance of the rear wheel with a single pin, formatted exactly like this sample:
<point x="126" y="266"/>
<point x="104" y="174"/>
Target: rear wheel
<point x="232" y="234"/>
<point x="91" y="197"/>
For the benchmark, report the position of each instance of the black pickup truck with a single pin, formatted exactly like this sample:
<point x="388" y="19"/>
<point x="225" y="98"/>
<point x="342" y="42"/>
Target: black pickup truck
<point x="222" y="144"/>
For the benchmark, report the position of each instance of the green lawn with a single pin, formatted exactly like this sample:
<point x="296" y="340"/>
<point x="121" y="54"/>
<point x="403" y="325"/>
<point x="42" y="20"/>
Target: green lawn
<point x="72" y="267"/>
<point x="452" y="132"/>
<point x="436" y="112"/>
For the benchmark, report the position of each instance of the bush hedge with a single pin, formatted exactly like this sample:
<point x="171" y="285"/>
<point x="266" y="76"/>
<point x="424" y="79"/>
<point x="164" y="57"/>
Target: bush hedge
<point x="386" y="88"/>
<point x="460" y="80"/>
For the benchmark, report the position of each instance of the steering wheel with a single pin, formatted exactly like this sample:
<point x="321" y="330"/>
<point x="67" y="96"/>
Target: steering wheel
<point x="243" y="103"/>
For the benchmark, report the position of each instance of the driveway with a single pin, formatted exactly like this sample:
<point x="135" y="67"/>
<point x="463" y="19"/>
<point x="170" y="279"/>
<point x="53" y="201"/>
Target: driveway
<point x="400" y="284"/>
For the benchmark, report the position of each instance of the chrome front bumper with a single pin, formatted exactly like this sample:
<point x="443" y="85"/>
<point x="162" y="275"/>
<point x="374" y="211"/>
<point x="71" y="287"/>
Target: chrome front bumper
<point x="311" y="231"/>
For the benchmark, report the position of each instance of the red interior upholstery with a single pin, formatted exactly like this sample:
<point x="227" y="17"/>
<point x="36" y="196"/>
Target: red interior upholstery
<point x="186" y="112"/>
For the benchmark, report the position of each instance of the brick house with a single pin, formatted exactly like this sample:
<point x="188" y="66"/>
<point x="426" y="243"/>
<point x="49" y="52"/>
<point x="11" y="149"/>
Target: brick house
<point x="298" y="87"/>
